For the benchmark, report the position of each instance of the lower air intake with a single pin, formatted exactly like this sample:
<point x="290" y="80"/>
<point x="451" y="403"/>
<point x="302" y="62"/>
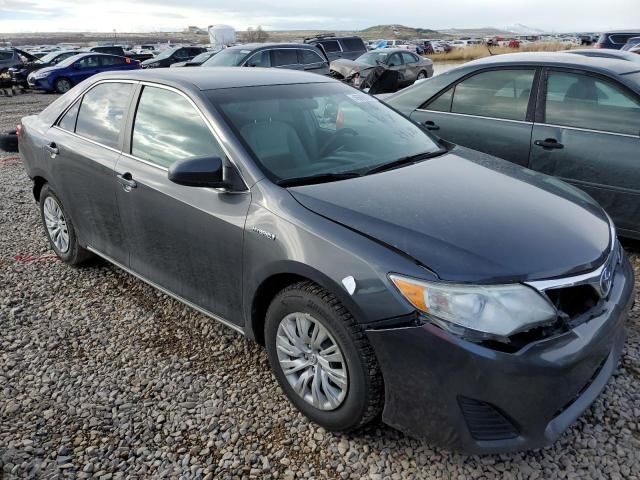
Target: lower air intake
<point x="486" y="422"/>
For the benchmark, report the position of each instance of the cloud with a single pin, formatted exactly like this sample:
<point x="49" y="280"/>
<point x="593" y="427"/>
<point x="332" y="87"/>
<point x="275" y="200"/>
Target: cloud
<point x="155" y="15"/>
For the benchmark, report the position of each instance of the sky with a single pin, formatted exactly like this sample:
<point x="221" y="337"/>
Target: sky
<point x="174" y="15"/>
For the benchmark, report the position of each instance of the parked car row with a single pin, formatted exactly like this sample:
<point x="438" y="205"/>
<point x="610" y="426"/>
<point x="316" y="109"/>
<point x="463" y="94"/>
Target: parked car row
<point x="467" y="300"/>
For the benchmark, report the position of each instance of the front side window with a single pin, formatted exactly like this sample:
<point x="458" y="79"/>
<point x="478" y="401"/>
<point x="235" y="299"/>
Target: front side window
<point x="68" y="121"/>
<point x="498" y="94"/>
<point x="373" y="58"/>
<point x="168" y="128"/>
<point x="583" y="101"/>
<point x="312" y="129"/>
<point x="230" y="57"/>
<point x="102" y="113"/>
<point x="442" y="103"/>
<point x="310" y="57"/>
<point x="284" y="57"/>
<point x="260" y="59"/>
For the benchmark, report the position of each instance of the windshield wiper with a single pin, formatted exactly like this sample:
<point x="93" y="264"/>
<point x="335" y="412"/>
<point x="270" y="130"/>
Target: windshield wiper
<point x="401" y="162"/>
<point x="319" y="178"/>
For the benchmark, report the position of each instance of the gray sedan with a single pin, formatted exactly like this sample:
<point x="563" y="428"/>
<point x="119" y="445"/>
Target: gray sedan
<point x="411" y="67"/>
<point x="571" y="116"/>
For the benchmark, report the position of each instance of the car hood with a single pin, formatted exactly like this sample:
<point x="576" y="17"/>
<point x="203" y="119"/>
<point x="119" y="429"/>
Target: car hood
<point x="470" y="217"/>
<point x="47" y="70"/>
<point x="346" y="67"/>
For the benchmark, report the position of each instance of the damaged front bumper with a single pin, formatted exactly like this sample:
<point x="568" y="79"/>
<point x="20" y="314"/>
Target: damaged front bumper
<point x="466" y="396"/>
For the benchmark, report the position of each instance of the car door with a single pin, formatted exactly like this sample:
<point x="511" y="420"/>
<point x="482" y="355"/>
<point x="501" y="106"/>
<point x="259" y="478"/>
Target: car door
<point x="285" y="58"/>
<point x="84" y="68"/>
<point x="186" y="240"/>
<point x="83" y="148"/>
<point x="411" y="67"/>
<point x="587" y="132"/>
<point x="311" y="61"/>
<point x="490" y="111"/>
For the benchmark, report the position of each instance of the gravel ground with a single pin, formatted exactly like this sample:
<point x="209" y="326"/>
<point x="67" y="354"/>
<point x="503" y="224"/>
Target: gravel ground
<point x="102" y="376"/>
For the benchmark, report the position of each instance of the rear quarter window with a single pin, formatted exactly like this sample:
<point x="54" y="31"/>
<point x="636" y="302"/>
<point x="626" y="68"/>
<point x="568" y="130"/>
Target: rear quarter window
<point x="621" y="38"/>
<point x="352" y="44"/>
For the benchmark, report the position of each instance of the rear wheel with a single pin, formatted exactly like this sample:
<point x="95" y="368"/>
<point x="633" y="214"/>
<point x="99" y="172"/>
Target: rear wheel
<point x="60" y="230"/>
<point x="322" y="358"/>
<point x="422" y="75"/>
<point x="62" y="85"/>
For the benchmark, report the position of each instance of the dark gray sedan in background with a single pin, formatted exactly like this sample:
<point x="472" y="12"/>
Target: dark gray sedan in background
<point x="474" y="303"/>
<point x="571" y="116"/>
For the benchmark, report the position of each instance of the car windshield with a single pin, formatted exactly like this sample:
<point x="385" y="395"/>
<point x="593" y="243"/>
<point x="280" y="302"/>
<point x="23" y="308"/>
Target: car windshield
<point x="48" y="57"/>
<point x="68" y="61"/>
<point x="166" y="53"/>
<point x="201" y="58"/>
<point x="370" y="58"/>
<point x="230" y="57"/>
<point x="319" y="129"/>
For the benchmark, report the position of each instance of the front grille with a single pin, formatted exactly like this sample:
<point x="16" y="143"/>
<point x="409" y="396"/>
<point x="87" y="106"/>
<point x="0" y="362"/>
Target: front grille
<point x="486" y="422"/>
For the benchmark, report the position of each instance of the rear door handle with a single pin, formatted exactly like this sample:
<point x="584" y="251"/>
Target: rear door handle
<point x="430" y="125"/>
<point x="52" y="148"/>
<point x="127" y="181"/>
<point x="549" y="143"/>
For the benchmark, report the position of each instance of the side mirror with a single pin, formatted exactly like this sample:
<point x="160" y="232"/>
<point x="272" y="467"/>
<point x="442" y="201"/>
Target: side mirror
<point x="198" y="172"/>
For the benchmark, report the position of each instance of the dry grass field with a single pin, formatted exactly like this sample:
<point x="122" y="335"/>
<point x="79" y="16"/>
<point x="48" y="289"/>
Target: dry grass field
<point x="480" y="51"/>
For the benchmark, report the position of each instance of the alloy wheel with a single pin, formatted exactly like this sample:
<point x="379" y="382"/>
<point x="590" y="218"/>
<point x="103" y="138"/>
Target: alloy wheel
<point x="56" y="224"/>
<point x="312" y="361"/>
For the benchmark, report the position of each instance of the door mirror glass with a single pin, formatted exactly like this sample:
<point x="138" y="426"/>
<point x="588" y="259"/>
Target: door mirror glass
<point x="198" y="172"/>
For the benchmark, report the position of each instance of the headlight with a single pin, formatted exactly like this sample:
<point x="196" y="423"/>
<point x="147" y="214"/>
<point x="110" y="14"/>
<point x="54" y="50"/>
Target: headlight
<point x="497" y="310"/>
<point x="152" y="65"/>
<point x="39" y="74"/>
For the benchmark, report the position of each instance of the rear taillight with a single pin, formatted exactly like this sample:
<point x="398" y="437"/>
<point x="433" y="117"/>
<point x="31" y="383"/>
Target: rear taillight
<point x="597" y="45"/>
<point x="19" y="130"/>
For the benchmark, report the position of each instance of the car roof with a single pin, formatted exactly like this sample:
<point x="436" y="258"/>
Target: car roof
<point x="630" y="30"/>
<point x="599" y="64"/>
<point x="213" y="78"/>
<point x="257" y="46"/>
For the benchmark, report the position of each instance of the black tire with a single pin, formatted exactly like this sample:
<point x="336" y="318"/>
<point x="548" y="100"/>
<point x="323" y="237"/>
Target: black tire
<point x="74" y="254"/>
<point x="423" y="73"/>
<point x="62" y="85"/>
<point x="9" y="141"/>
<point x="365" y="393"/>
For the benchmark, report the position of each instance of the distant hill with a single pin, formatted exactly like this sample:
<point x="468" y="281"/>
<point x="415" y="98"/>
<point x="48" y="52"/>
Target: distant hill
<point x="396" y="31"/>
<point x="477" y="32"/>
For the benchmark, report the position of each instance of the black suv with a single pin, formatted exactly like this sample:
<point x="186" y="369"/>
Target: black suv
<point x="615" y="40"/>
<point x="338" y="47"/>
<point x="173" y="55"/>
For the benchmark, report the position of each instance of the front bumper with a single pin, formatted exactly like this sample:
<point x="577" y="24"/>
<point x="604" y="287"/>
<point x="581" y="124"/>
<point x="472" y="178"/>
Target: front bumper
<point x="465" y="396"/>
<point x="39" y="83"/>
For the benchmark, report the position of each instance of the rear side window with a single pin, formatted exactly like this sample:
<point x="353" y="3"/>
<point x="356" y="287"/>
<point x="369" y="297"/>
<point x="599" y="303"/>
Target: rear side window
<point x="6" y="55"/>
<point x="110" y="60"/>
<point x="168" y="128"/>
<point x="497" y="94"/>
<point x="330" y="46"/>
<point x="621" y="38"/>
<point x="408" y="58"/>
<point x="68" y="121"/>
<point x="309" y="57"/>
<point x="353" y="45"/>
<point x="92" y="61"/>
<point x="102" y="113"/>
<point x="583" y="101"/>
<point x="284" y="57"/>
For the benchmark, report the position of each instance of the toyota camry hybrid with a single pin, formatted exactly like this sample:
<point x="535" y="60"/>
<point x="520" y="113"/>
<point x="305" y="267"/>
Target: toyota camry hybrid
<point x="467" y="300"/>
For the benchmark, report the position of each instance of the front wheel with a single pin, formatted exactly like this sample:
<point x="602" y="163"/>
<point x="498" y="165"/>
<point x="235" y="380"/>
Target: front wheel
<point x="322" y="358"/>
<point x="62" y="85"/>
<point x="60" y="230"/>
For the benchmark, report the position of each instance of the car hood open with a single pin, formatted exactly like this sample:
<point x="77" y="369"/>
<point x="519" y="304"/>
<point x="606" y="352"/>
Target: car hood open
<point x="470" y="217"/>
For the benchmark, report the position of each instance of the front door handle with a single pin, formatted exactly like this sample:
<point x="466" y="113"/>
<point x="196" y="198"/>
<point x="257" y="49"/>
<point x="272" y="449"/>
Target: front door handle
<point x="52" y="148"/>
<point x="430" y="125"/>
<point x="550" y="143"/>
<point x="127" y="181"/>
